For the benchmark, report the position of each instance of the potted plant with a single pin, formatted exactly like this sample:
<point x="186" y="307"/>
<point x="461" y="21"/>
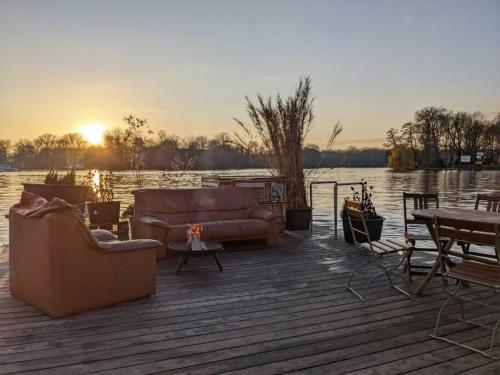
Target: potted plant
<point x="281" y="126"/>
<point x="103" y="210"/>
<point x="60" y="186"/>
<point x="374" y="222"/>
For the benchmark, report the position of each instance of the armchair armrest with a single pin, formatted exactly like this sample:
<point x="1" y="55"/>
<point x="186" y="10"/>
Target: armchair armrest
<point x="262" y="213"/>
<point x="129" y="245"/>
<point x="148" y="220"/>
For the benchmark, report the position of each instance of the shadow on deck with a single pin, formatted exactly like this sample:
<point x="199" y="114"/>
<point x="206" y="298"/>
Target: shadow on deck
<point x="270" y="311"/>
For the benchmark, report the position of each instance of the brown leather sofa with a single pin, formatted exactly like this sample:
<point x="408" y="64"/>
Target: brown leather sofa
<point x="226" y="214"/>
<point x="57" y="265"/>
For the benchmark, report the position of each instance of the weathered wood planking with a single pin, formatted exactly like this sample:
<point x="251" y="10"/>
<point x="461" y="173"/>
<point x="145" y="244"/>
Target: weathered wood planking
<point x="270" y="311"/>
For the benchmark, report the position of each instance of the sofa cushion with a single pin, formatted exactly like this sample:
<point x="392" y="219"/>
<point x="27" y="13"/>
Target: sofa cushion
<point x="235" y="228"/>
<point x="223" y="229"/>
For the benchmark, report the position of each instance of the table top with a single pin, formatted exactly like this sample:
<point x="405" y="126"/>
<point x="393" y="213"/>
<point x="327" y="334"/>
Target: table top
<point x="458" y="214"/>
<point x="183" y="246"/>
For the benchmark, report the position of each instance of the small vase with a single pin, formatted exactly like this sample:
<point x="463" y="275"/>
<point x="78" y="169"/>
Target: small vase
<point x="196" y="243"/>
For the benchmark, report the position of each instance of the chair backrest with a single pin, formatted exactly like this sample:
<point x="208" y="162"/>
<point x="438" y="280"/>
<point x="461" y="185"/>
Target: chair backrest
<point x="469" y="232"/>
<point x="354" y="210"/>
<point x="490" y="202"/>
<point x="420" y="201"/>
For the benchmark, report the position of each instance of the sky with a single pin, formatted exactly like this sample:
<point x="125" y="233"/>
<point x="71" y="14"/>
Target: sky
<point x="187" y="65"/>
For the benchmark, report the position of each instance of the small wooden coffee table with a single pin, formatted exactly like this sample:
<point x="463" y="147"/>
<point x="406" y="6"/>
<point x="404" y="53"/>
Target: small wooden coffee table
<point x="184" y="250"/>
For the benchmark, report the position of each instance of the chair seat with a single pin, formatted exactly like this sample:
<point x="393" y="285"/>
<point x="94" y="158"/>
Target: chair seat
<point x="423" y="237"/>
<point x="418" y="237"/>
<point x="387" y="246"/>
<point x="479" y="273"/>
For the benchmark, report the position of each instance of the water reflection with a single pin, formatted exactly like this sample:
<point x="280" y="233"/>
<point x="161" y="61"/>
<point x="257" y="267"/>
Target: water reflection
<point x="456" y="188"/>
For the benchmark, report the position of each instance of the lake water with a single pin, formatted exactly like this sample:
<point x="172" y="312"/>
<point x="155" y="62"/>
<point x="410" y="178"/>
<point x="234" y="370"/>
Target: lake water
<point x="456" y="188"/>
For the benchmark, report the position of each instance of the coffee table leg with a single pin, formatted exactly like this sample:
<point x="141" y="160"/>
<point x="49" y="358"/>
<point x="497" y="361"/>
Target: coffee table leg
<point x="218" y="262"/>
<point x="179" y="264"/>
<point x="186" y="257"/>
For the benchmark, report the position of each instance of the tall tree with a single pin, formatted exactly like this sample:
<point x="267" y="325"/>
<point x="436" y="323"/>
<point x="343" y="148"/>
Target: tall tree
<point x="474" y="134"/>
<point x="409" y="134"/>
<point x="392" y="138"/>
<point x="430" y="122"/>
<point x="455" y="130"/>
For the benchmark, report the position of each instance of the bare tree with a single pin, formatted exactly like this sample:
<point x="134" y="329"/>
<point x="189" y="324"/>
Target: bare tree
<point x="135" y="144"/>
<point x="430" y="128"/>
<point x="409" y="134"/>
<point x="4" y="150"/>
<point x="475" y="131"/>
<point x="455" y="130"/>
<point x="392" y="138"/>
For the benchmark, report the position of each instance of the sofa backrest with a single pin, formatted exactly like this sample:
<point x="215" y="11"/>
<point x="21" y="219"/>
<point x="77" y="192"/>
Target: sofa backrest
<point x="180" y="206"/>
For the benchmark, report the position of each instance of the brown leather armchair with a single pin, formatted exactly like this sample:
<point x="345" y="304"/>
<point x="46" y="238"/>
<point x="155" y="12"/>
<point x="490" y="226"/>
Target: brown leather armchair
<point x="57" y="265"/>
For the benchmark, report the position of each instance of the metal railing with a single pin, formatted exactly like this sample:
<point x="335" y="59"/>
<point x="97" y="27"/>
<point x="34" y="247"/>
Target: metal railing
<point x="336" y="185"/>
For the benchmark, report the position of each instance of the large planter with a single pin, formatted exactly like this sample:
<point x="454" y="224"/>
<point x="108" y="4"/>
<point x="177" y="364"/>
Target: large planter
<point x="298" y="218"/>
<point x="104" y="213"/>
<point x="74" y="194"/>
<point x="374" y="227"/>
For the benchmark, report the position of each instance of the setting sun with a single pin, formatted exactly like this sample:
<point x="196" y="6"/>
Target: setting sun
<point x="93" y="133"/>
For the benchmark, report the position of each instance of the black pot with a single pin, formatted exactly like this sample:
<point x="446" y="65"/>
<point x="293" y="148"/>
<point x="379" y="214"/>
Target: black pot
<point x="374" y="227"/>
<point x="298" y="218"/>
<point x="101" y="213"/>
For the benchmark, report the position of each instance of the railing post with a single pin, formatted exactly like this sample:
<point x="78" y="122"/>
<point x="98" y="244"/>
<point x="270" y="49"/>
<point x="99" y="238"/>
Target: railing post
<point x="311" y="203"/>
<point x="335" y="206"/>
<point x="336" y="185"/>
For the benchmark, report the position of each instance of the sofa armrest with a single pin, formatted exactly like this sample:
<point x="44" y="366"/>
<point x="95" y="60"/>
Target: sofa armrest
<point x="262" y="213"/>
<point x="129" y="245"/>
<point x="148" y="220"/>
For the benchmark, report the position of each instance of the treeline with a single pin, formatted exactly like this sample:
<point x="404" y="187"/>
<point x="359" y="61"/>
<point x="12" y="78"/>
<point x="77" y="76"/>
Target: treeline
<point x="136" y="147"/>
<point x="440" y="138"/>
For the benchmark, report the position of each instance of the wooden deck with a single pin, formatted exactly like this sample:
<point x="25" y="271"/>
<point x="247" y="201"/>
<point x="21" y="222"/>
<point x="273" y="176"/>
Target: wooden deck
<point x="270" y="311"/>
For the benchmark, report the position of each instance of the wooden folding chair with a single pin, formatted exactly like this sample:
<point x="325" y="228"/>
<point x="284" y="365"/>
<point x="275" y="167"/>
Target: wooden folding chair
<point x="473" y="269"/>
<point x="417" y="201"/>
<point x="488" y="203"/>
<point x="377" y="250"/>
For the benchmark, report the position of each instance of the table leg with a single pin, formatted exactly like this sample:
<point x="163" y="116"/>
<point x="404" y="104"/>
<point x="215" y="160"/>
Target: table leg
<point x="218" y="261"/>
<point x="179" y="264"/>
<point x="186" y="257"/>
<point x="429" y="276"/>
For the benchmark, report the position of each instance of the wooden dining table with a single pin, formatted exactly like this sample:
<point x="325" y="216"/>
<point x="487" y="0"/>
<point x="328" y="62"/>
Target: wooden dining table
<point x="427" y="215"/>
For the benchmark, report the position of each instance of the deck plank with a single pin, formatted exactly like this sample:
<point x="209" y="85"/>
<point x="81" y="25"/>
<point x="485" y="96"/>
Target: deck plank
<point x="270" y="311"/>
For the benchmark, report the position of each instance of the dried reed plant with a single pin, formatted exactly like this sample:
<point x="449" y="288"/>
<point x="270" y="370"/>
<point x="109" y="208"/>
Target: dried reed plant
<point x="281" y="126"/>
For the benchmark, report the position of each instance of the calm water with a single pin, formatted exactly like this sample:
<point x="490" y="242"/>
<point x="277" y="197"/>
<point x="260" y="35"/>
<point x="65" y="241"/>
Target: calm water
<point x="456" y="188"/>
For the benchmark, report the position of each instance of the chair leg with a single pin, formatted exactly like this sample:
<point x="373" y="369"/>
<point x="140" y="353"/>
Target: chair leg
<point x="453" y="296"/>
<point x="392" y="271"/>
<point x="384" y="272"/>
<point x="351" y="277"/>
<point x="408" y="263"/>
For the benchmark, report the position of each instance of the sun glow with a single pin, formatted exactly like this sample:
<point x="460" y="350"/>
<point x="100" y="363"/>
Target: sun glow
<point x="93" y="133"/>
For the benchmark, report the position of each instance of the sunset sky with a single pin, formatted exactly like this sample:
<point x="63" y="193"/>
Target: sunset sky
<point x="187" y="65"/>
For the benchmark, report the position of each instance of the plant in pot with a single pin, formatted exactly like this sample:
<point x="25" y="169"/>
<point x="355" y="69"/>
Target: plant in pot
<point x="280" y="126"/>
<point x="62" y="186"/>
<point x="103" y="210"/>
<point x="374" y="222"/>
